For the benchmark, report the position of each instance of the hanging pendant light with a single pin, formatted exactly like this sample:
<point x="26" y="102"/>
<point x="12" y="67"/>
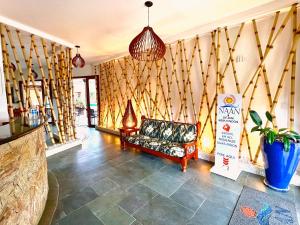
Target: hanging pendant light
<point x="147" y="46"/>
<point x="78" y="61"/>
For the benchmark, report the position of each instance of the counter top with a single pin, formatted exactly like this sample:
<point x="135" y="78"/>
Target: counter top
<point x="18" y="128"/>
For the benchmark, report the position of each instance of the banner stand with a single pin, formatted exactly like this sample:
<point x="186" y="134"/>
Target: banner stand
<point x="232" y="174"/>
<point x="228" y="136"/>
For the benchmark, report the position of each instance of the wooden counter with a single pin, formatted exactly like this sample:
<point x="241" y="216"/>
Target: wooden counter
<point x="23" y="174"/>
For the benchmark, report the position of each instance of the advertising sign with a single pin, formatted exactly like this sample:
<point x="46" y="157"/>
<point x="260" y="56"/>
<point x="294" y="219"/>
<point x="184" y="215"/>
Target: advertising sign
<point x="229" y="114"/>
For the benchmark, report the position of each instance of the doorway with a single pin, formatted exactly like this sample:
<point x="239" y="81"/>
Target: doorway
<point x="85" y="98"/>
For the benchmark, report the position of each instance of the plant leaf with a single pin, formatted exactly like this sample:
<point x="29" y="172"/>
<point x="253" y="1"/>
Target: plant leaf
<point x="294" y="132"/>
<point x="269" y="116"/>
<point x="271" y="137"/>
<point x="256" y="128"/>
<point x="282" y="129"/>
<point x="255" y="118"/>
<point x="286" y="143"/>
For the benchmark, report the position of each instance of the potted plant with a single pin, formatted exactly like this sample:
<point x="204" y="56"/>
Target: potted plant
<point x="281" y="152"/>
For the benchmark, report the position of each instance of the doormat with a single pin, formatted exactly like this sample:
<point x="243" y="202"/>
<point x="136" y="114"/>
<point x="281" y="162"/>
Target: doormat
<point x="259" y="208"/>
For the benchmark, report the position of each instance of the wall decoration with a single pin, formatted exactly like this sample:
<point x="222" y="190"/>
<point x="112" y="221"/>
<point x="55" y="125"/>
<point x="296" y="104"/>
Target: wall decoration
<point x="183" y="86"/>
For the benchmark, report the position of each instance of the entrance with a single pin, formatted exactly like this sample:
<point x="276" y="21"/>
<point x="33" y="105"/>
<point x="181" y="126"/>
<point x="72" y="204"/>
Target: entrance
<point x="85" y="98"/>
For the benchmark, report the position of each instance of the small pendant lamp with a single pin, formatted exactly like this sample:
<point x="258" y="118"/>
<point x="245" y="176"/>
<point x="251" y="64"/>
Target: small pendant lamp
<point x="78" y="61"/>
<point x="147" y="46"/>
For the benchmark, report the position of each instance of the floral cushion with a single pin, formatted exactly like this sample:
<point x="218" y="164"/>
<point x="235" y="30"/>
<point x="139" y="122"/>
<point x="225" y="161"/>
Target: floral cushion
<point x="136" y="139"/>
<point x="166" y="130"/>
<point x="153" y="143"/>
<point x="150" y="128"/>
<point x="172" y="149"/>
<point x="183" y="133"/>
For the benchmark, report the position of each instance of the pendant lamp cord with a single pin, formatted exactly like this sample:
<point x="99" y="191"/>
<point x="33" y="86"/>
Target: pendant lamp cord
<point x="148" y="16"/>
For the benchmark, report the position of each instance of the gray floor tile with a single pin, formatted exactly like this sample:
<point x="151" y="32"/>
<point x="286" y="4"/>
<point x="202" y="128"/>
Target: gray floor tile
<point x="163" y="184"/>
<point x="117" y="216"/>
<point x="163" y="211"/>
<point x="139" y="178"/>
<point x="78" y="199"/>
<point x="211" y="214"/>
<point x="187" y="198"/>
<point x="105" y="202"/>
<point x="82" y="216"/>
<point x="139" y="195"/>
<point x="103" y="186"/>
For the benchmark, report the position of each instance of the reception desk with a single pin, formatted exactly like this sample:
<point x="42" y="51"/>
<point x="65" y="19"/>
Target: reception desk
<point x="23" y="173"/>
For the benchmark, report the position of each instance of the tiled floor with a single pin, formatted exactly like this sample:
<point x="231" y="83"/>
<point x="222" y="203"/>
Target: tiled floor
<point x="100" y="184"/>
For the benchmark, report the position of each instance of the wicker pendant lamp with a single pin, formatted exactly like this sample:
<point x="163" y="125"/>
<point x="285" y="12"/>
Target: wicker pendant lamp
<point x="78" y="61"/>
<point x="147" y="46"/>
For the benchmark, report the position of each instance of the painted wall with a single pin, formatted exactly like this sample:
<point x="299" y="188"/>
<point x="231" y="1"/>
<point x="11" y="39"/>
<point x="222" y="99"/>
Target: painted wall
<point x="182" y="87"/>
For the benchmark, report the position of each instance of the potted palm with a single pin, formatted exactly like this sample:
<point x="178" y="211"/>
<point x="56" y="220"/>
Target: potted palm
<point x="281" y="152"/>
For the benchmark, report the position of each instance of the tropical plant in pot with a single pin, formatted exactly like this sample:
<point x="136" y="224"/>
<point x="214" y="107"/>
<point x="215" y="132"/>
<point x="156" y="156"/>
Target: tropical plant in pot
<point x="281" y="152"/>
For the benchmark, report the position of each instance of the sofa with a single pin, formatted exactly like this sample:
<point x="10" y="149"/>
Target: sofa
<point x="166" y="139"/>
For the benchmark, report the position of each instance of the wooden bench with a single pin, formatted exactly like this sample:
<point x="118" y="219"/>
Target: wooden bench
<point x="166" y="139"/>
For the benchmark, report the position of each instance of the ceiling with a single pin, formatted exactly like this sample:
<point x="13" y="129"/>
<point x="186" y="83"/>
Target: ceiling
<point x="105" y="28"/>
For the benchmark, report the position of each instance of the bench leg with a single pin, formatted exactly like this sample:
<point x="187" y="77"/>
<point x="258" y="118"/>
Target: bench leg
<point x="183" y="164"/>
<point x="196" y="157"/>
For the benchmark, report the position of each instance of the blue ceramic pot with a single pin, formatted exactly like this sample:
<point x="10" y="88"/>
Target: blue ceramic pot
<point x="280" y="165"/>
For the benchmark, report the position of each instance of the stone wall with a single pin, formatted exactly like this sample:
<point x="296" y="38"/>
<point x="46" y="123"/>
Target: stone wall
<point x="23" y="179"/>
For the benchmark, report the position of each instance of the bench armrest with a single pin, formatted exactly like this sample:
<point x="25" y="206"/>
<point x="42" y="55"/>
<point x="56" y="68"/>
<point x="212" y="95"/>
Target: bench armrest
<point x="189" y="147"/>
<point x="128" y="131"/>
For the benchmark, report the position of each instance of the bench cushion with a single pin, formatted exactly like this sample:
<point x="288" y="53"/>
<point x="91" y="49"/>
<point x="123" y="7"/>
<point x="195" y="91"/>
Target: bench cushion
<point x="183" y="133"/>
<point x="150" y="128"/>
<point x="169" y="131"/>
<point x="166" y="147"/>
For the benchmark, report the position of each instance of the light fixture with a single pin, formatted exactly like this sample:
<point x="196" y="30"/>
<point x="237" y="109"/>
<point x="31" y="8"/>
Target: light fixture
<point x="78" y="61"/>
<point x="129" y="120"/>
<point x="147" y="46"/>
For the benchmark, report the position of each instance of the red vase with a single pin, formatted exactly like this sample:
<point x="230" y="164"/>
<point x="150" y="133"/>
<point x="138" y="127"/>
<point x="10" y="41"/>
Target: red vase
<point x="129" y="119"/>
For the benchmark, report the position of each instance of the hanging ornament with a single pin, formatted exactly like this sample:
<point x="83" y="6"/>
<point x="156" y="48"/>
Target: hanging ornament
<point x="147" y="46"/>
<point x="78" y="61"/>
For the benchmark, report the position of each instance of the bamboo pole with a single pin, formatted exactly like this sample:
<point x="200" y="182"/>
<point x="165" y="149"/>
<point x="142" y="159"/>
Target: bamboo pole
<point x="244" y="132"/>
<point x="285" y="71"/>
<point x="26" y="82"/>
<point x="269" y="47"/>
<point x="222" y="78"/>
<point x="46" y="87"/>
<point x="56" y="89"/>
<point x="183" y="105"/>
<point x="217" y="80"/>
<point x="174" y="73"/>
<point x="204" y="81"/>
<point x="41" y="105"/>
<point x="19" y="66"/>
<point x="169" y="86"/>
<point x="6" y="74"/>
<point x="293" y="75"/>
<point x="189" y="67"/>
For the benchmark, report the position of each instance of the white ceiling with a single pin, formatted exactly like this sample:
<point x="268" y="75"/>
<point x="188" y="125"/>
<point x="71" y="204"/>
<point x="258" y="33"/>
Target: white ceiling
<point x="104" y="28"/>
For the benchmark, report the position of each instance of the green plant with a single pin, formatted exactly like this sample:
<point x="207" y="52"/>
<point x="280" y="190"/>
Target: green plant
<point x="283" y="135"/>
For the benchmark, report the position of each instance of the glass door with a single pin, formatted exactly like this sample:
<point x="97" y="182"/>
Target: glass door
<point x="92" y="106"/>
<point x="85" y="97"/>
<point x="80" y="101"/>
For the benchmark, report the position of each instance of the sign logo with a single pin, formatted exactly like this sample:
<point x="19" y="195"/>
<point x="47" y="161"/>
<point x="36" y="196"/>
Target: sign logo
<point x="226" y="127"/>
<point x="229" y="101"/>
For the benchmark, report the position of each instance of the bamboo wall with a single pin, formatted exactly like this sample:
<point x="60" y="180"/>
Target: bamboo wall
<point x="53" y="62"/>
<point x="257" y="59"/>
